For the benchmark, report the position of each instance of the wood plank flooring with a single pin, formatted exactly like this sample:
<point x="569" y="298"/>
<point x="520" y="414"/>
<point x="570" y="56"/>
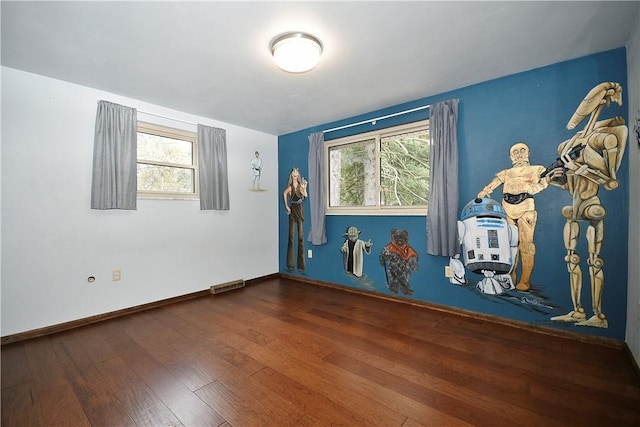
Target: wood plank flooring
<point x="286" y="353"/>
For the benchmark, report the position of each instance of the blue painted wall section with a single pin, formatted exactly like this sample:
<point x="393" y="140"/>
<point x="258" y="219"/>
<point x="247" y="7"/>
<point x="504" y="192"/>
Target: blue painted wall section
<point x="533" y="107"/>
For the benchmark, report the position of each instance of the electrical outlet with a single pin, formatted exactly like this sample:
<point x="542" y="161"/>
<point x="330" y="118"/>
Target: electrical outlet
<point x="448" y="271"/>
<point x="115" y="275"/>
<point x="309" y="253"/>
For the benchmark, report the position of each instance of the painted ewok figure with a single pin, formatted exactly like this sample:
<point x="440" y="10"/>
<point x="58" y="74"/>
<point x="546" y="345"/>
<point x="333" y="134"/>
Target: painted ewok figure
<point x="399" y="260"/>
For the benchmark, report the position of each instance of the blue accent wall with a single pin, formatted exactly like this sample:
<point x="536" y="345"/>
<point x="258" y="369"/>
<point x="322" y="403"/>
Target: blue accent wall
<point x="533" y="107"/>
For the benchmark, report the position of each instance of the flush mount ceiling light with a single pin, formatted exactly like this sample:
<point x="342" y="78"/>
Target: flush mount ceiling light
<point x="296" y="52"/>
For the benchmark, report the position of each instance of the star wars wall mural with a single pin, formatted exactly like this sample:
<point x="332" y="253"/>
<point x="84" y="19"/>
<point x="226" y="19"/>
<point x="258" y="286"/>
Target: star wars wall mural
<point x="493" y="237"/>
<point x="353" y="250"/>
<point x="256" y="171"/>
<point x="520" y="183"/>
<point x="532" y="245"/>
<point x="588" y="161"/>
<point x="293" y="197"/>
<point x="399" y="260"/>
<point x="489" y="244"/>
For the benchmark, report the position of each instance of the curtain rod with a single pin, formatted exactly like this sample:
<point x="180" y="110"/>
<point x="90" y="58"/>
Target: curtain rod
<point x="168" y="118"/>
<point x="373" y="121"/>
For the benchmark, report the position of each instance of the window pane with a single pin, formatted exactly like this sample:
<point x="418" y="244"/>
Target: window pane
<point x="165" y="179"/>
<point x="164" y="149"/>
<point x="352" y="179"/>
<point x="404" y="164"/>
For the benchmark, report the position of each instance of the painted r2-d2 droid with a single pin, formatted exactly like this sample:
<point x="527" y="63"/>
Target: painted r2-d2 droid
<point x="489" y="244"/>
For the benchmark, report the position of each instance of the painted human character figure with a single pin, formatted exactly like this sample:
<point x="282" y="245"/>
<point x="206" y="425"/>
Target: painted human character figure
<point x="293" y="196"/>
<point x="256" y="166"/>
<point x="520" y="183"/>
<point x="353" y="249"/>
<point x="399" y="260"/>
<point x="588" y="160"/>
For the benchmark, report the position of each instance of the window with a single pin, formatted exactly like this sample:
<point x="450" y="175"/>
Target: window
<point x="384" y="172"/>
<point x="167" y="162"/>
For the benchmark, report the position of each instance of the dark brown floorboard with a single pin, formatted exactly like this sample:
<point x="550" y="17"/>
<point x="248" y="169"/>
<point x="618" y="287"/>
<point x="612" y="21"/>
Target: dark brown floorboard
<point x="285" y="353"/>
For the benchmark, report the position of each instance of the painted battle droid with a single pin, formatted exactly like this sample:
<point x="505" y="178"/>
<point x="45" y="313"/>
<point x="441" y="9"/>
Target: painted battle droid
<point x="588" y="160"/>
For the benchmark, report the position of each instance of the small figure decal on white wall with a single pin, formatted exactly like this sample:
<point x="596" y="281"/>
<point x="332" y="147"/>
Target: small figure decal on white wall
<point x="256" y="167"/>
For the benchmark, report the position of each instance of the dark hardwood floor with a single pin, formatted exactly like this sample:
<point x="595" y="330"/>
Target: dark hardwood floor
<point x="286" y="353"/>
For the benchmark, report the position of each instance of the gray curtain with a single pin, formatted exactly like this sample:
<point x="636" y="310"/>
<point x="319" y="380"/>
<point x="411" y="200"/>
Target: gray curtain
<point x="212" y="166"/>
<point x="114" y="180"/>
<point x="442" y="217"/>
<point x="317" y="230"/>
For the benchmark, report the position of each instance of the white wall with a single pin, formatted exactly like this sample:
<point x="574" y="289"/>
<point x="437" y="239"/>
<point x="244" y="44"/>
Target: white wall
<point x="52" y="241"/>
<point x="633" y="293"/>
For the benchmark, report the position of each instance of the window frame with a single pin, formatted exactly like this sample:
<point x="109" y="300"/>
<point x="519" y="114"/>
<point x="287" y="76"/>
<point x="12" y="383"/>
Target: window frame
<point x="170" y="132"/>
<point x="379" y="209"/>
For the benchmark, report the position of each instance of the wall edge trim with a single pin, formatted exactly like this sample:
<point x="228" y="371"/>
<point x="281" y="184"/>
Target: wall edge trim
<point x="53" y="329"/>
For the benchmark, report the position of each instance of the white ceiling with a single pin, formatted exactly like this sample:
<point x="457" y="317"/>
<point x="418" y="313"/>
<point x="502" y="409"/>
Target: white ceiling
<point x="212" y="58"/>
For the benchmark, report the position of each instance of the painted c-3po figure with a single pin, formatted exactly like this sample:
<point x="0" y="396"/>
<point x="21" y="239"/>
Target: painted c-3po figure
<point x="520" y="183"/>
<point x="589" y="159"/>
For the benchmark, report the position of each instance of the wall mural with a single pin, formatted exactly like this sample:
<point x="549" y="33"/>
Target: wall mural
<point x="494" y="236"/>
<point x="293" y="196"/>
<point x="520" y="183"/>
<point x="353" y="250"/>
<point x="399" y="260"/>
<point x="588" y="160"/>
<point x="256" y="168"/>
<point x="489" y="244"/>
<point x="497" y="237"/>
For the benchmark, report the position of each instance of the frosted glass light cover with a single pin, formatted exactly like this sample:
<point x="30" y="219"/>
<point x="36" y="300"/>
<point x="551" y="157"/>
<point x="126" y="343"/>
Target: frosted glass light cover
<point x="296" y="52"/>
